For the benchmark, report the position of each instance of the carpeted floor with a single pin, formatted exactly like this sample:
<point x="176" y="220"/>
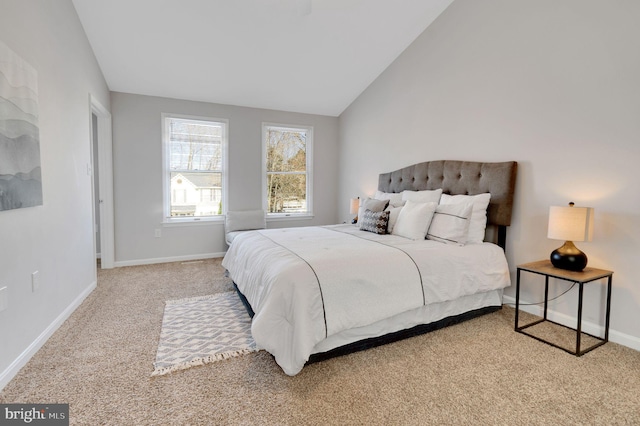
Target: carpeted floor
<point x="478" y="372"/>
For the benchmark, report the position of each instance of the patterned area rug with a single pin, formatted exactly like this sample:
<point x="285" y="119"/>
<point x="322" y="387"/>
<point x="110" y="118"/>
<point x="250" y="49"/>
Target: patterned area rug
<point x="201" y="330"/>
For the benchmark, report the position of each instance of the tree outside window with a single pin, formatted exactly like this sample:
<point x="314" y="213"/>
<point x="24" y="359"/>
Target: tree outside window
<point x="287" y="152"/>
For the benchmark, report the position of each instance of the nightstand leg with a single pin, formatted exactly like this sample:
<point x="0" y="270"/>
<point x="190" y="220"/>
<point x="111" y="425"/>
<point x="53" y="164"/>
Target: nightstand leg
<point x="517" y="297"/>
<point x="579" y="328"/>
<point x="546" y="295"/>
<point x="608" y="314"/>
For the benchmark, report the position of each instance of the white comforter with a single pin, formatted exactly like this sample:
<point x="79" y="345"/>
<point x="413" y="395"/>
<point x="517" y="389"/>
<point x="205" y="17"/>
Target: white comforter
<point x="306" y="284"/>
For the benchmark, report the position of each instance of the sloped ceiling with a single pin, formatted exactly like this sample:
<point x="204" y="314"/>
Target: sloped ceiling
<point x="310" y="56"/>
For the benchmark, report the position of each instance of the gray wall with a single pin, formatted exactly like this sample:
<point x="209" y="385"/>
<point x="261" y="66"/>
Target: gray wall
<point x="553" y="85"/>
<point x="137" y="158"/>
<point x="56" y="238"/>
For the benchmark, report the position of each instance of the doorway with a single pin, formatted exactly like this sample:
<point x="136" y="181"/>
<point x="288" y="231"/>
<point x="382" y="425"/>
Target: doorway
<point x="96" y="187"/>
<point x="102" y="183"/>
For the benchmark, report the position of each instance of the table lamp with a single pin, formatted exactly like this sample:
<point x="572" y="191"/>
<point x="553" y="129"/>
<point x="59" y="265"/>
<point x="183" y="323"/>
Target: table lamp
<point x="570" y="224"/>
<point x="354" y="205"/>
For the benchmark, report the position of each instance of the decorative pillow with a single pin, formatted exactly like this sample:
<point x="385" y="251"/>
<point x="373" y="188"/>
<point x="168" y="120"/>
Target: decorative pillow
<point x="375" y="222"/>
<point x="478" y="215"/>
<point x="430" y="196"/>
<point x="395" y="198"/>
<point x="414" y="219"/>
<point x="373" y="205"/>
<point x="450" y="223"/>
<point x="393" y="217"/>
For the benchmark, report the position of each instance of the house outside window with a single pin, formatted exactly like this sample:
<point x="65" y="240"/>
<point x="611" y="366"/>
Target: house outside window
<point x="287" y="162"/>
<point x="194" y="168"/>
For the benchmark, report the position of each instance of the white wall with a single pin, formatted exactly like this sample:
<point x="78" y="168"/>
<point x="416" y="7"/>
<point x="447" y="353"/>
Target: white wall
<point x="56" y="238"/>
<point x="137" y="158"/>
<point x="553" y="85"/>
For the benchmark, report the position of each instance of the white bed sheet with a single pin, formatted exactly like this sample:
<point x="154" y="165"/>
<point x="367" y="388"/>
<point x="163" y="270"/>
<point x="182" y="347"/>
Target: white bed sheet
<point x="312" y="288"/>
<point x="422" y="315"/>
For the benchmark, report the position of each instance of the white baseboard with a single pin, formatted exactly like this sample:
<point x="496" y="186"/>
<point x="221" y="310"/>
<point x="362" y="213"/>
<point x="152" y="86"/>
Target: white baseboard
<point x="13" y="369"/>
<point x="570" y="321"/>
<point x="137" y="262"/>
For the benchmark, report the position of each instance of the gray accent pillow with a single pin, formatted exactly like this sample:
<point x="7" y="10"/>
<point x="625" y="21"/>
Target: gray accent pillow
<point x="395" y="199"/>
<point x="373" y="205"/>
<point x="375" y="222"/>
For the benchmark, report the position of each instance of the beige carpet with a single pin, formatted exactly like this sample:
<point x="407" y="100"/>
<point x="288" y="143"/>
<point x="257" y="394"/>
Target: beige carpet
<point x="477" y="373"/>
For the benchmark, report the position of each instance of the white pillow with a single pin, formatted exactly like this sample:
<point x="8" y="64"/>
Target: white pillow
<point x="430" y="196"/>
<point x="394" y="212"/>
<point x="478" y="215"/>
<point x="450" y="223"/>
<point x="395" y="198"/>
<point x="414" y="219"/>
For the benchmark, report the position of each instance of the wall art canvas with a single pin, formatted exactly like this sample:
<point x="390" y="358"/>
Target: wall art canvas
<point x="20" y="175"/>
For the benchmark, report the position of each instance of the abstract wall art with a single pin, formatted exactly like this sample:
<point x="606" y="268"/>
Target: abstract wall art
<point x="20" y="174"/>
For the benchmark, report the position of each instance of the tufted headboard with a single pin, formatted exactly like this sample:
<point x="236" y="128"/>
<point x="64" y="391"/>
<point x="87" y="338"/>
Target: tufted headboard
<point x="461" y="177"/>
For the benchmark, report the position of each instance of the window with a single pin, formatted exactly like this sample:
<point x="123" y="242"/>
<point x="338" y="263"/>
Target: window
<point x="287" y="164"/>
<point x="195" y="163"/>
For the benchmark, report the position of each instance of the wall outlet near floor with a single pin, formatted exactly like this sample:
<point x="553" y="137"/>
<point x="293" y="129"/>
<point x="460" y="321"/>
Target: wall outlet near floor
<point x="35" y="281"/>
<point x="4" y="298"/>
<point x="158" y="232"/>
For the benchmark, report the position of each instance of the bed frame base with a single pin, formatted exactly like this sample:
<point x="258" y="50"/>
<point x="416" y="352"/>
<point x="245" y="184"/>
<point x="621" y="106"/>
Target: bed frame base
<point x="373" y="342"/>
<point x="244" y="300"/>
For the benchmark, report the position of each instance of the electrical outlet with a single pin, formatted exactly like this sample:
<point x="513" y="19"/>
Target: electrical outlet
<point x="35" y="281"/>
<point x="4" y="298"/>
<point x="158" y="232"/>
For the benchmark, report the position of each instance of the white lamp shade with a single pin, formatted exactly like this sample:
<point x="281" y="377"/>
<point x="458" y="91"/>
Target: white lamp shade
<point x="570" y="223"/>
<point x="354" y="204"/>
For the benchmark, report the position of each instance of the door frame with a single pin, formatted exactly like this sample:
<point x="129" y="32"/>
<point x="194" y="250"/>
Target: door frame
<point x="105" y="183"/>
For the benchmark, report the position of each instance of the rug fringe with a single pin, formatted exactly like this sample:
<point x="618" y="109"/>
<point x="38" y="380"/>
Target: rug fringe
<point x="202" y="361"/>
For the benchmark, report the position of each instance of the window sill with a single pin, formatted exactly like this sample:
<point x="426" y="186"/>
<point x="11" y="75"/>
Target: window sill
<point x="193" y="222"/>
<point x="284" y="217"/>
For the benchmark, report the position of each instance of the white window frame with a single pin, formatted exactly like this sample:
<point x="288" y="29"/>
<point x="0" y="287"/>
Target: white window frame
<point x="166" y="171"/>
<point x="309" y="166"/>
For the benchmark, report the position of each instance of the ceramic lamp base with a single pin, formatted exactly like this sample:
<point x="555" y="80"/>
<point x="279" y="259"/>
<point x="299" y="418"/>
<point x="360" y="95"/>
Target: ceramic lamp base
<point x="569" y="257"/>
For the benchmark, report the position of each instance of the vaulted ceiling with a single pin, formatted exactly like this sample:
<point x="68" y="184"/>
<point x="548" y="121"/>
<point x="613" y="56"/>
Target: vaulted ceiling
<point x="310" y="56"/>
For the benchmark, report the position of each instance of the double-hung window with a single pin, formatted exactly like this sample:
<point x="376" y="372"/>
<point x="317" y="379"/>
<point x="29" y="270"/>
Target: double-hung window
<point x="194" y="168"/>
<point x="287" y="156"/>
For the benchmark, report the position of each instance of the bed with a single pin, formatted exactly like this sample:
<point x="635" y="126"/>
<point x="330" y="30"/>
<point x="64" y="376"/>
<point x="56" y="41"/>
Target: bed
<point x="318" y="292"/>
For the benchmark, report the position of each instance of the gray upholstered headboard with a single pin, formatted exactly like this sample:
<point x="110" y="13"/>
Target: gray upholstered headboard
<point x="461" y="177"/>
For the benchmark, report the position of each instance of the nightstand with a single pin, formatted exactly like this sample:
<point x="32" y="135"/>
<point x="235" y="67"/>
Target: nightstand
<point x="546" y="269"/>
